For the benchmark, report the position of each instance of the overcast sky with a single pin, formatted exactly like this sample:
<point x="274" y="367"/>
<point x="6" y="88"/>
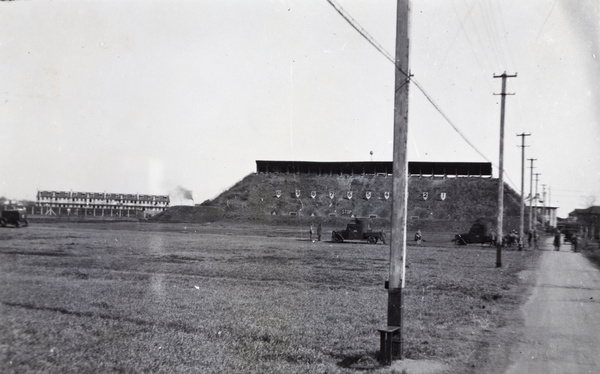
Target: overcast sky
<point x="148" y="96"/>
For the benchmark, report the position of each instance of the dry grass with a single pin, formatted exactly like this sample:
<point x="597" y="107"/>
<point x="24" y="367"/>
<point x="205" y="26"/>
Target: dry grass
<point x="129" y="297"/>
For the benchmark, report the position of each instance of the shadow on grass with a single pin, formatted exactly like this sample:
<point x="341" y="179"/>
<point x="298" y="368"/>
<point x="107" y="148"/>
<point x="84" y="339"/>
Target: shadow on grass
<point x="74" y="313"/>
<point x="173" y="325"/>
<point x="366" y="361"/>
<point x="345" y="242"/>
<point x="41" y="253"/>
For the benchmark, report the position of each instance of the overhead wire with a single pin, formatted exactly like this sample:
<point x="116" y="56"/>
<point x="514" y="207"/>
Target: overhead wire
<point x="505" y="33"/>
<point x="545" y="21"/>
<point x="491" y="27"/>
<point x="462" y="22"/>
<point x="352" y="22"/>
<point x="506" y="51"/>
<point x="449" y="46"/>
<point x="462" y="27"/>
<point x="477" y="32"/>
<point x="371" y="40"/>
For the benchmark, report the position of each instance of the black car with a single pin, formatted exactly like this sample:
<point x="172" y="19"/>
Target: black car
<point x="16" y="217"/>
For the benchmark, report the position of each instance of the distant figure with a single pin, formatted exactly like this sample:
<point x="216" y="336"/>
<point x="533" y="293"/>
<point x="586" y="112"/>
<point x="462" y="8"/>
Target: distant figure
<point x="418" y="237"/>
<point x="529" y="238"/>
<point x="535" y="239"/>
<point x="319" y="231"/>
<point x="510" y="239"/>
<point x="493" y="236"/>
<point x="574" y="242"/>
<point x="557" y="240"/>
<point x="311" y="232"/>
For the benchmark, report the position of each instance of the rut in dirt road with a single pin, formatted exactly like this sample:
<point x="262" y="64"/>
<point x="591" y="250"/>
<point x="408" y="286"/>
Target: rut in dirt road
<point x="562" y="317"/>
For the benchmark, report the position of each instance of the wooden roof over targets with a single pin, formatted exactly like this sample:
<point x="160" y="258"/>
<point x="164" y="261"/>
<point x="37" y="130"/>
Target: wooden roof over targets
<point x="376" y="167"/>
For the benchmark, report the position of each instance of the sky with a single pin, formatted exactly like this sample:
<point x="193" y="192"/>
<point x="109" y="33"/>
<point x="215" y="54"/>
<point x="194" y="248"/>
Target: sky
<point x="160" y="97"/>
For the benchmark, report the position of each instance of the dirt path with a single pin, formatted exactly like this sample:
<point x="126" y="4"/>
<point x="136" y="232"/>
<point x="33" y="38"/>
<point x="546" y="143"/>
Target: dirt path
<point x="562" y="317"/>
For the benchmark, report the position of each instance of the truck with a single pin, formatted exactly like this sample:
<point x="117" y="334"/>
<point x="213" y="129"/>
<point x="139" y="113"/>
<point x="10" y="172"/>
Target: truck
<point x="16" y="217"/>
<point x="480" y="232"/>
<point x="569" y="230"/>
<point x="358" y="230"/>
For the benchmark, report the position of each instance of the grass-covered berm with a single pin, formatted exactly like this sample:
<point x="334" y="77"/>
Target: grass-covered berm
<point x="259" y="196"/>
<point x="222" y="298"/>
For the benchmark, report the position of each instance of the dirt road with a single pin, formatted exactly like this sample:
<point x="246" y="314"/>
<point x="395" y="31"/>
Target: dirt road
<point x="562" y="317"/>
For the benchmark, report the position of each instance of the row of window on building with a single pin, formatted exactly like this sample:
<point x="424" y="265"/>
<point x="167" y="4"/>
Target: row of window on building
<point x="99" y="200"/>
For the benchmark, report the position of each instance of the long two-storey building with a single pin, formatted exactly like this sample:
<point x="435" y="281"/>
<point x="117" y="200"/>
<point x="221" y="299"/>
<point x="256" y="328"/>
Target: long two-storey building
<point x="99" y="204"/>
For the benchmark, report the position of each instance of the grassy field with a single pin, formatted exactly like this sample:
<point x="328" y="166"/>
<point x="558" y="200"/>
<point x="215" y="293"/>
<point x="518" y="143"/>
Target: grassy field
<point x="166" y="298"/>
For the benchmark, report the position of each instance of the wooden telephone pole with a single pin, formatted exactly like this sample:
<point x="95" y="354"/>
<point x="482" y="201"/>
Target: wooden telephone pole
<point x="531" y="194"/>
<point x="499" y="229"/>
<point x="400" y="176"/>
<point x="535" y="213"/>
<point x="522" y="212"/>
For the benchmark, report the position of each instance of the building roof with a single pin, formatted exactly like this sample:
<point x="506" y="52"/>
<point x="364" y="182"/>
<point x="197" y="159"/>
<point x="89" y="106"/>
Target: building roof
<point x="375" y="167"/>
<point x="593" y="210"/>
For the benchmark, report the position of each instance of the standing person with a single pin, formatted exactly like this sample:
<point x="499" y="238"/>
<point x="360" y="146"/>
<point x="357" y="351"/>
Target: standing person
<point x="535" y="238"/>
<point x="557" y="240"/>
<point x="319" y="231"/>
<point x="418" y="237"/>
<point x="311" y="232"/>
<point x="574" y="242"/>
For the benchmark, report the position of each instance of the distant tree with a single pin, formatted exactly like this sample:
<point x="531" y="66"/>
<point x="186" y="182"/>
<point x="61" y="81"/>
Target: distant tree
<point x="10" y="203"/>
<point x="27" y="203"/>
<point x="589" y="201"/>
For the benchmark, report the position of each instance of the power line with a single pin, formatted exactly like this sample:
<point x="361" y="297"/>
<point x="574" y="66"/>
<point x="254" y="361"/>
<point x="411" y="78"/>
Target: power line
<point x="510" y="54"/>
<point x="364" y="34"/>
<point x="377" y="46"/>
<point x="493" y="40"/>
<point x="430" y="99"/>
<point x="355" y="25"/>
<point x="466" y="35"/>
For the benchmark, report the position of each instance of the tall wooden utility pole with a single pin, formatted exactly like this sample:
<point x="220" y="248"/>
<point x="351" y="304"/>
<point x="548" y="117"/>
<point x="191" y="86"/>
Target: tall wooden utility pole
<point x="544" y="197"/>
<point x="544" y="212"/>
<point x="499" y="229"/>
<point x="400" y="174"/>
<point x="531" y="194"/>
<point x="537" y="175"/>
<point x="522" y="212"/>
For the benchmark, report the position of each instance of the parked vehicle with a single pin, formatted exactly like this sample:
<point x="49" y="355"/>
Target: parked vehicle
<point x="569" y="230"/>
<point x="480" y="232"/>
<point x="358" y="230"/>
<point x="16" y="217"/>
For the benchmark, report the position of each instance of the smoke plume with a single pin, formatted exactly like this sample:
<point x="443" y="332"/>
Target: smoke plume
<point x="183" y="193"/>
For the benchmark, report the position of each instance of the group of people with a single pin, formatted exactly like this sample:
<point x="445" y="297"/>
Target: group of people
<point x="572" y="239"/>
<point x="532" y="237"/>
